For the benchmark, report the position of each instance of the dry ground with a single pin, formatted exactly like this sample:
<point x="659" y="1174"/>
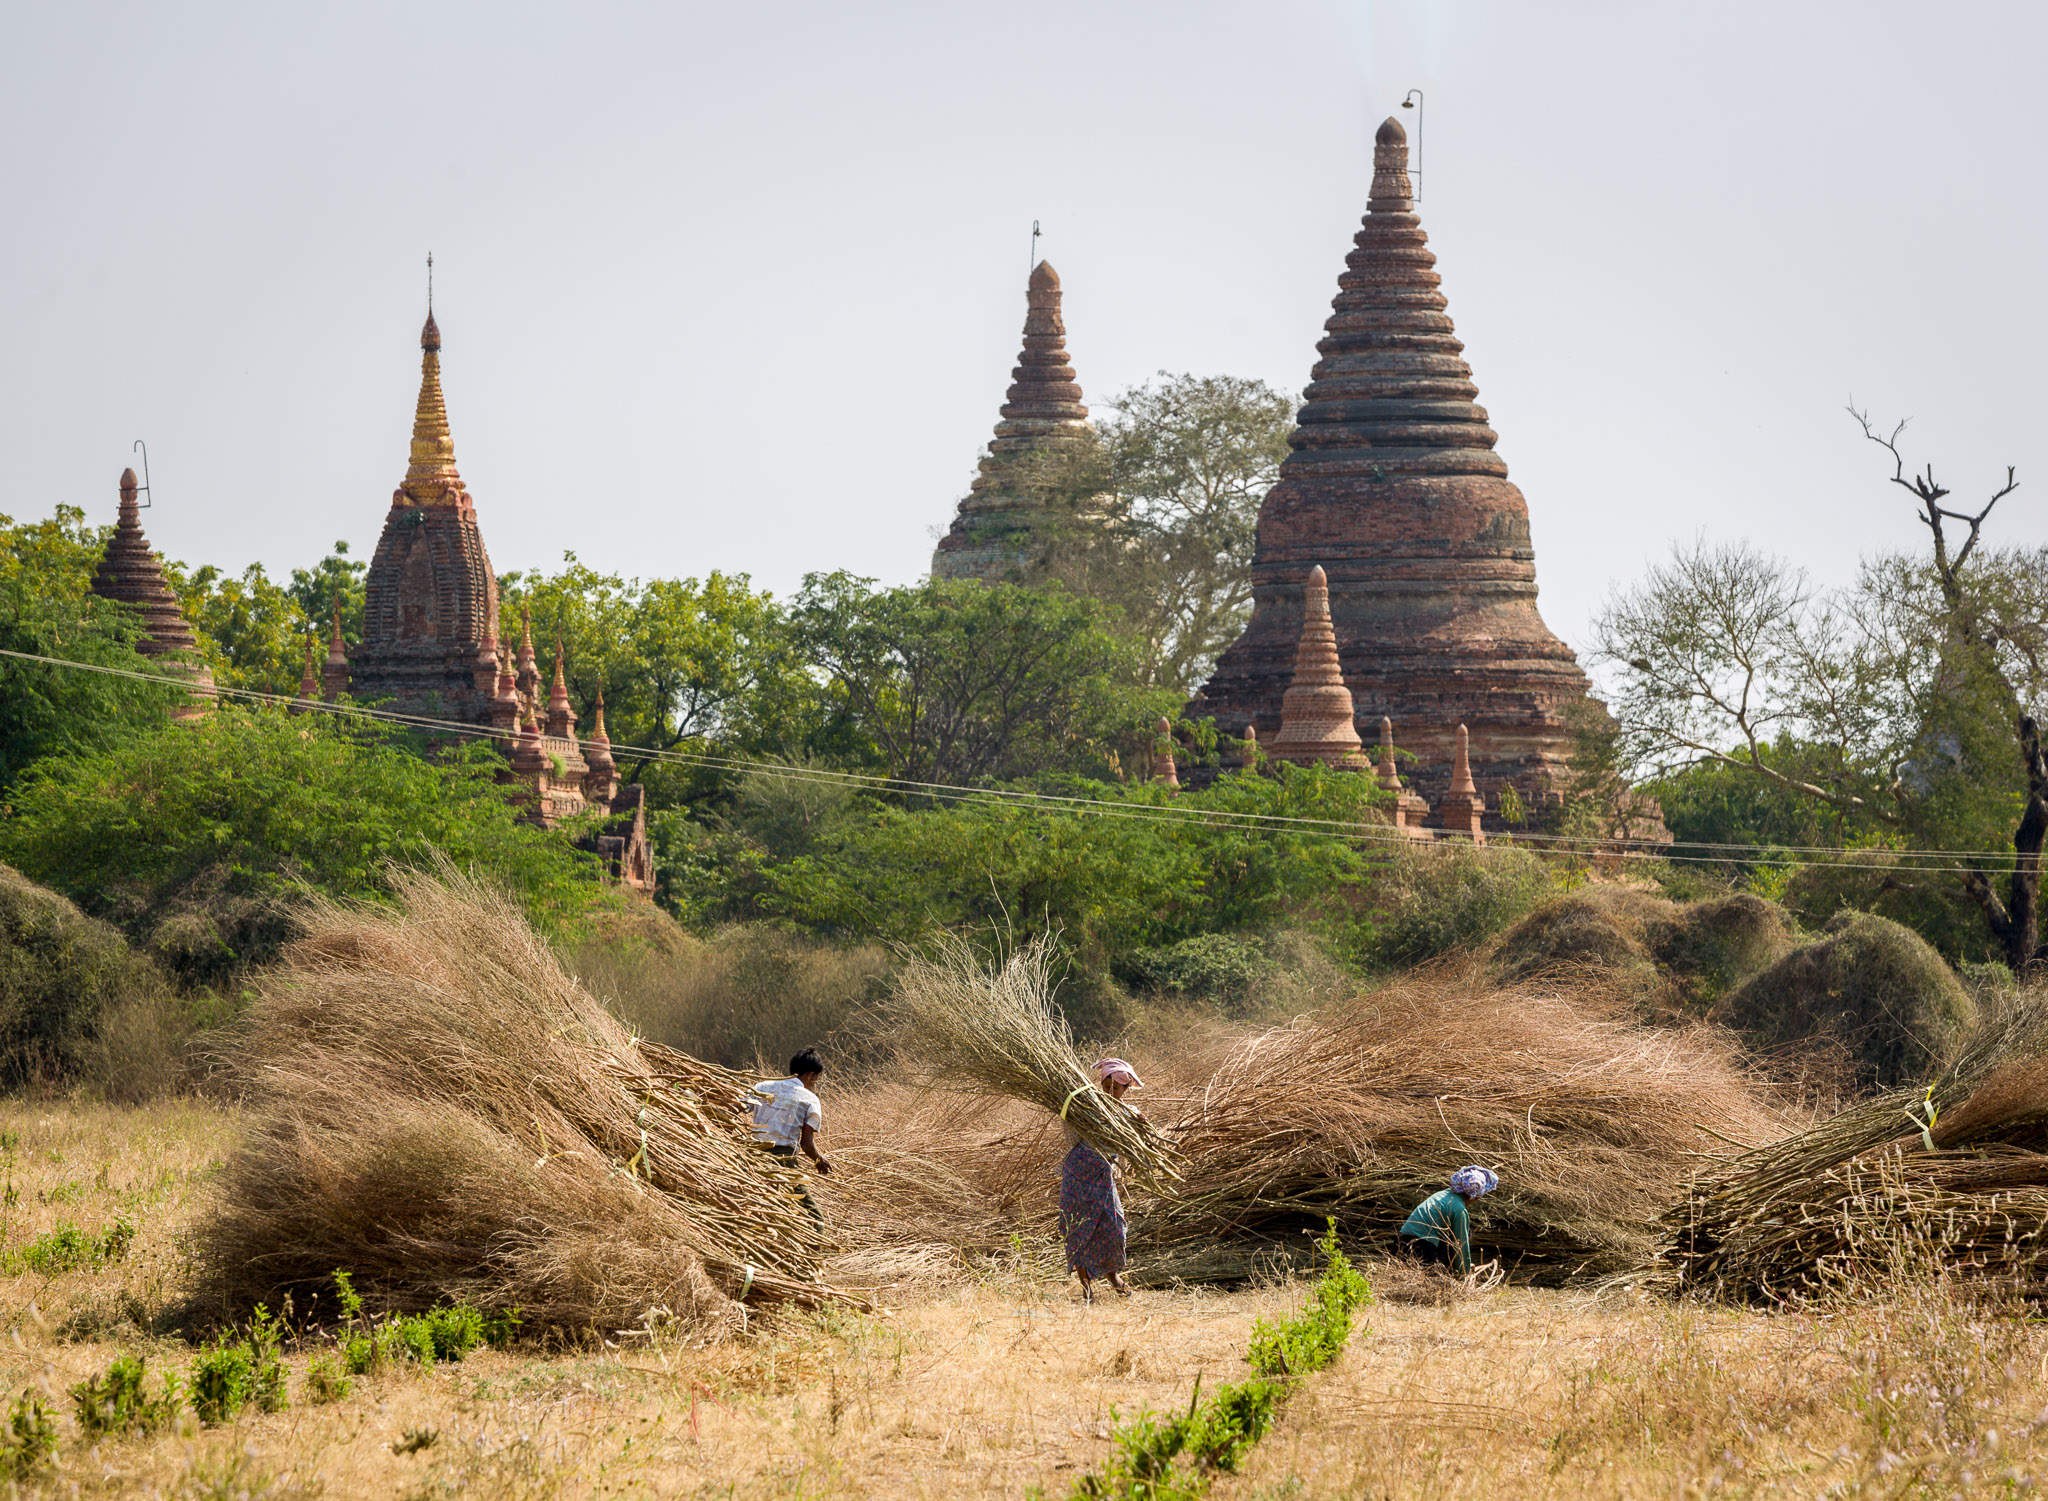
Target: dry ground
<point x="985" y="1385"/>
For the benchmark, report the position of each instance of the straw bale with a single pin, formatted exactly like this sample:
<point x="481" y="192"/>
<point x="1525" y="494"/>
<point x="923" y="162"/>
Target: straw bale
<point x="438" y="1108"/>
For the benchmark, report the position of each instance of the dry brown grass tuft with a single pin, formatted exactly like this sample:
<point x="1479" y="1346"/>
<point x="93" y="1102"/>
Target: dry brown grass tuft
<point x="436" y="1107"/>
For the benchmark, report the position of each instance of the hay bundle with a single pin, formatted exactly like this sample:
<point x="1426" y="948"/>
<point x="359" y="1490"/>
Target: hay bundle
<point x="438" y="1108"/>
<point x="1593" y="1123"/>
<point x="993" y="1027"/>
<point x="1816" y="1207"/>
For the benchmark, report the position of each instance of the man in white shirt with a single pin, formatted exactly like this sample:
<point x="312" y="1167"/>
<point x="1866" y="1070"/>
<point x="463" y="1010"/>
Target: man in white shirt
<point x="787" y="1116"/>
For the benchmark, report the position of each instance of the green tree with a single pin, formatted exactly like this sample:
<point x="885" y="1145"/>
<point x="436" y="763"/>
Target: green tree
<point x="216" y="825"/>
<point x="251" y="629"/>
<point x="1159" y="517"/>
<point x="958" y="681"/>
<point x="1904" y="706"/>
<point x="48" y="609"/>
<point x="314" y="590"/>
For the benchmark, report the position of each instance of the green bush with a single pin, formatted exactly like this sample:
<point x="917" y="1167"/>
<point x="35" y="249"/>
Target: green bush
<point x="1677" y="956"/>
<point x="369" y="1345"/>
<point x="327" y="1380"/>
<point x="70" y="1249"/>
<point x="223" y="1379"/>
<point x="65" y="980"/>
<point x="1317" y="1335"/>
<point x="29" y="1442"/>
<point x="117" y="1403"/>
<point x="195" y="838"/>
<point x="1220" y="968"/>
<point x="1438" y="898"/>
<point x="1867" y="985"/>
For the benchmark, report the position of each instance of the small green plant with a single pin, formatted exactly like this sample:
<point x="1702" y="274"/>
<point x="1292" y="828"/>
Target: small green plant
<point x="267" y="1369"/>
<point x="1178" y="1459"/>
<point x="327" y="1380"/>
<point x="70" y="1249"/>
<point x="30" y="1440"/>
<point x="117" y="1402"/>
<point x="223" y="1379"/>
<point x="368" y="1345"/>
<point x="416" y="1439"/>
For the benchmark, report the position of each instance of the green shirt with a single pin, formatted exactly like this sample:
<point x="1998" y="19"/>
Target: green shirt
<point x="1441" y="1217"/>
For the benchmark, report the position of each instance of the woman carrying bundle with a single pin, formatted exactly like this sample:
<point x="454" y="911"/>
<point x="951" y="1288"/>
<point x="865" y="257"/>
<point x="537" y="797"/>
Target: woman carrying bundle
<point x="1439" y="1232"/>
<point x="1091" y="1214"/>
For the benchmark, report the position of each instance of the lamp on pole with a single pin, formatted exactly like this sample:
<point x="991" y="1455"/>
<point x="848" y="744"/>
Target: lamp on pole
<point x="1414" y="102"/>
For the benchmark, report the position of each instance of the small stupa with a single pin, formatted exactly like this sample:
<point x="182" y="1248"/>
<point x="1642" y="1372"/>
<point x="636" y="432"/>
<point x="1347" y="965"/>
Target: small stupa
<point x="998" y="531"/>
<point x="1316" y="711"/>
<point x="1462" y="808"/>
<point x="1411" y="809"/>
<point x="130" y="573"/>
<point x="1164" y="771"/>
<point x="1394" y="486"/>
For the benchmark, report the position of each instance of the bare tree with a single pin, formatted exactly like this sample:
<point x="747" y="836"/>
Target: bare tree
<point x="1912" y="695"/>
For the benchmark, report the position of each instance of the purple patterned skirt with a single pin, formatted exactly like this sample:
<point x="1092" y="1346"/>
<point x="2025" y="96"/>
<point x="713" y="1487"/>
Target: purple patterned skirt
<point x="1091" y="1215"/>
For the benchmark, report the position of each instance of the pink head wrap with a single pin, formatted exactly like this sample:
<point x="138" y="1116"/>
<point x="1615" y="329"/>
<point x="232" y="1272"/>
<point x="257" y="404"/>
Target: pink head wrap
<point x="1115" y="1068"/>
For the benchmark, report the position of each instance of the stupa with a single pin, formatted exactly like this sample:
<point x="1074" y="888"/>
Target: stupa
<point x="997" y="532"/>
<point x="1394" y="487"/>
<point x="430" y="598"/>
<point x="1316" y="714"/>
<point x="130" y="573"/>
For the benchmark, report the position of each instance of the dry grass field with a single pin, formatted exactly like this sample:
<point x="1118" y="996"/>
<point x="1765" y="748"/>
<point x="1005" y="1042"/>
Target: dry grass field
<point x="986" y="1383"/>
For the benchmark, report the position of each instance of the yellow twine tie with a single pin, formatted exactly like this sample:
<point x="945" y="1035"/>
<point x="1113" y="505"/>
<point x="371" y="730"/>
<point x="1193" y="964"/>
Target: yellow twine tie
<point x="747" y="1285"/>
<point x="1070" y="1099"/>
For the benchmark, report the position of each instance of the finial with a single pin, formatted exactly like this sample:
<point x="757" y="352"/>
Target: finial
<point x="1392" y="192"/>
<point x="1461" y="769"/>
<point x="430" y="283"/>
<point x="127" y="487"/>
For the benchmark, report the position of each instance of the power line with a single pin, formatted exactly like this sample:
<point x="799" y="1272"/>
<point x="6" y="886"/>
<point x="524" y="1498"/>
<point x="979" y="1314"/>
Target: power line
<point x="1559" y="844"/>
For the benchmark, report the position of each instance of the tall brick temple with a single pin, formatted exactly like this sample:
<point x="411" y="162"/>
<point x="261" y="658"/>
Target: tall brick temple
<point x="431" y="647"/>
<point x="996" y="532"/>
<point x="1393" y="489"/>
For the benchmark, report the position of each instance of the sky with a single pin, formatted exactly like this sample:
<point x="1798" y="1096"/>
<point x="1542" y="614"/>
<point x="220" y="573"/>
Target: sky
<point x="739" y="288"/>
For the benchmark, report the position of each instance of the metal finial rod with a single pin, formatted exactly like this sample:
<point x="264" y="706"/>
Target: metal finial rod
<point x="145" y="473"/>
<point x="1414" y="101"/>
<point x="430" y="281"/>
<point x="1034" y="246"/>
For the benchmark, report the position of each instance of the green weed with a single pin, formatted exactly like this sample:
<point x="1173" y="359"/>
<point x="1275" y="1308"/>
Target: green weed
<point x="116" y="1403"/>
<point x="70" y="1249"/>
<point x="30" y="1440"/>
<point x="327" y="1380"/>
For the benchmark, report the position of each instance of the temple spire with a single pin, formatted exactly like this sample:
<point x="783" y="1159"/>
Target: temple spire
<point x="131" y="574"/>
<point x="1392" y="192"/>
<point x="993" y="535"/>
<point x="431" y="477"/>
<point x="309" y="682"/>
<point x="334" y="674"/>
<point x="1316" y="711"/>
<point x="1462" y="807"/>
<point x="602" y="779"/>
<point x="1163" y="769"/>
<point x="561" y="717"/>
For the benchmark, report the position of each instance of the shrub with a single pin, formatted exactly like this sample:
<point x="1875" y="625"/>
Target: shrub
<point x="1867" y="983"/>
<point x="116" y="1403"/>
<point x="752" y="995"/>
<point x="70" y="1249"/>
<point x="1429" y="901"/>
<point x="1219" y="968"/>
<point x="30" y="1440"/>
<point x="223" y="1379"/>
<point x="327" y="1380"/>
<point x="196" y="837"/>
<point x="1316" y="1336"/>
<point x="63" y="976"/>
<point x="1680" y="956"/>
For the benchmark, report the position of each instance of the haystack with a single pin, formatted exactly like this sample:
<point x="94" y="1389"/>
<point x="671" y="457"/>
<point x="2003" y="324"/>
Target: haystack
<point x="1951" y="1177"/>
<point x="1594" y="1124"/>
<point x="1868" y="985"/>
<point x="1673" y="957"/>
<point x="436" y="1107"/>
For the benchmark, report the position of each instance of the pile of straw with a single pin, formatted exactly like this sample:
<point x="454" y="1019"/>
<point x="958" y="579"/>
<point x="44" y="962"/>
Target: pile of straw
<point x="436" y="1107"/>
<point x="993" y="1027"/>
<point x="1840" y="1203"/>
<point x="1593" y="1123"/>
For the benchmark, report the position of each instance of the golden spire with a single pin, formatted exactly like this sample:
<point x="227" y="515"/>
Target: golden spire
<point x="432" y="475"/>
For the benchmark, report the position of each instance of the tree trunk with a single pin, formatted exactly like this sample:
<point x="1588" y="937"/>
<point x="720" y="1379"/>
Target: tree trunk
<point x="2016" y="921"/>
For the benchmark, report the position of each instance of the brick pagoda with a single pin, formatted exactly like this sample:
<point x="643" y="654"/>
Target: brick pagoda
<point x="130" y="573"/>
<point x="1394" y="488"/>
<point x="994" y="534"/>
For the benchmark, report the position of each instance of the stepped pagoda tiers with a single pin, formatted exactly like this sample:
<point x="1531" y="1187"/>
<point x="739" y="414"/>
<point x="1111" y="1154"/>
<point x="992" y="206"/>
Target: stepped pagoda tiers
<point x="1316" y="714"/>
<point x="1393" y="485"/>
<point x="993" y="533"/>
<point x="430" y="645"/>
<point x="130" y="573"/>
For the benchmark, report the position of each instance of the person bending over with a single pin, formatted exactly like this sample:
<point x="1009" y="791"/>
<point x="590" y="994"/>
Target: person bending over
<point x="787" y="1115"/>
<point x="1440" y="1231"/>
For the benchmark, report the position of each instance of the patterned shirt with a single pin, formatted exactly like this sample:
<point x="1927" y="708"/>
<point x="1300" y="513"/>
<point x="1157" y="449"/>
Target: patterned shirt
<point x="782" y="1108"/>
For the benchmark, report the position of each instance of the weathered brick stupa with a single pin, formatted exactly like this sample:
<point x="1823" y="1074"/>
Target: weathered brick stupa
<point x="996" y="532"/>
<point x="130" y="573"/>
<point x="1394" y="487"/>
<point x="430" y="603"/>
<point x="1317" y="720"/>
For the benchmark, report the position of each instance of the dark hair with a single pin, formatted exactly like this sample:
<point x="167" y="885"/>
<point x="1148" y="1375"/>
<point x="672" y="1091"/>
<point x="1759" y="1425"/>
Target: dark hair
<point x="807" y="1062"/>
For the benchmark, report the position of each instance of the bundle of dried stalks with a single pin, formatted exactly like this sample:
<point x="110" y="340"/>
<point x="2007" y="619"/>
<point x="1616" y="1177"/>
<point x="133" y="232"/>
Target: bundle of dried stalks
<point x="993" y="1027"/>
<point x="436" y="1107"/>
<point x="1955" y="1170"/>
<point x="1594" y="1124"/>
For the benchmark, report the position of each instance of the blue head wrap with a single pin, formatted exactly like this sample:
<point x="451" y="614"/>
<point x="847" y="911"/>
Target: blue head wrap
<point x="1474" y="1181"/>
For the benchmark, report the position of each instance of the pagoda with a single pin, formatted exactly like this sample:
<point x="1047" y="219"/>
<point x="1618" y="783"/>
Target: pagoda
<point x="1317" y="720"/>
<point x="999" y="530"/>
<point x="1393" y="486"/>
<point x="131" y="574"/>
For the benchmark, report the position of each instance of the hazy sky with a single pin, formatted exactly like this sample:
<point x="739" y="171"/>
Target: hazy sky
<point x="739" y="286"/>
